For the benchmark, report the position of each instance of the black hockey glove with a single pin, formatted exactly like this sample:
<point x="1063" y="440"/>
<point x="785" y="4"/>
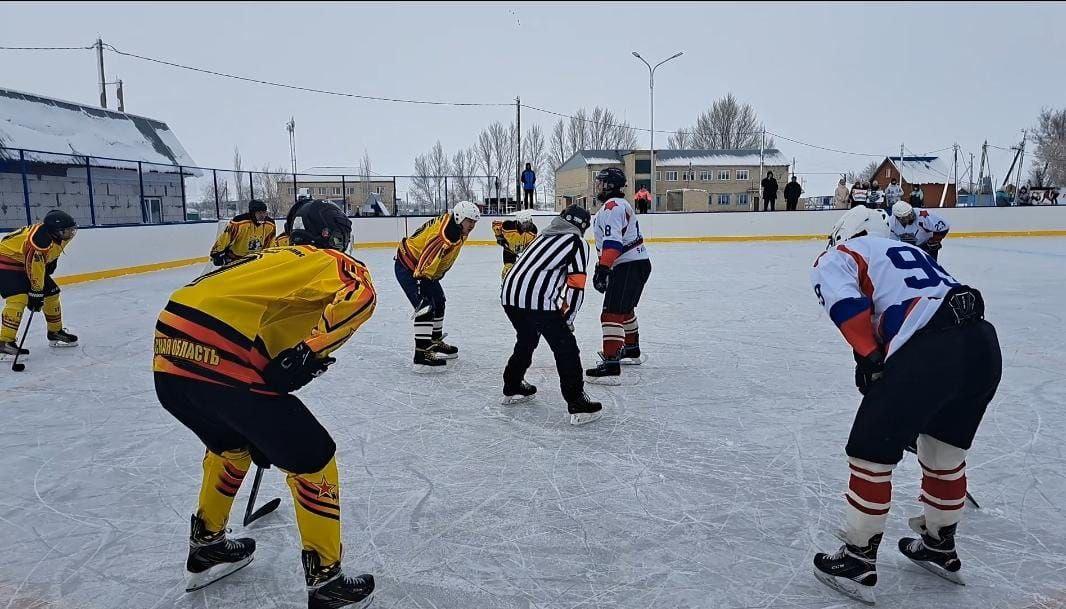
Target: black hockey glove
<point x="35" y="301"/>
<point x="868" y="369"/>
<point x="294" y="367"/>
<point x="218" y="258"/>
<point x="601" y="277"/>
<point x="932" y="247"/>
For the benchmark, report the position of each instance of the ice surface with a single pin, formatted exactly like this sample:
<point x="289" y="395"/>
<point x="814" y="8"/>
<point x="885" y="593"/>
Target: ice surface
<point x="714" y="476"/>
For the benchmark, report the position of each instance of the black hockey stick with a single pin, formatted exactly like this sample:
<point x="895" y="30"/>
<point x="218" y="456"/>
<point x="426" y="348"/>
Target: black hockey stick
<point x="914" y="449"/>
<point x="15" y="365"/>
<point x="269" y="506"/>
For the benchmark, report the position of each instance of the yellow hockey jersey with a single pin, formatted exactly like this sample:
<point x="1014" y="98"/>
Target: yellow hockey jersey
<point x="432" y="250"/>
<point x="513" y="240"/>
<point x="227" y="325"/>
<point x="33" y="251"/>
<point x="243" y="237"/>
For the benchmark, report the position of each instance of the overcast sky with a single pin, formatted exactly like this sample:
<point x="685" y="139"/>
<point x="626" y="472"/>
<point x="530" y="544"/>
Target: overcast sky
<point x="854" y="77"/>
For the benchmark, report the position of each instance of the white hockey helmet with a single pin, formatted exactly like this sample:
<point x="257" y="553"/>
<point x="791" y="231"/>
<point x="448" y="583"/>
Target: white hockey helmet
<point x="523" y="216"/>
<point x="859" y="221"/>
<point x="903" y="211"/>
<point x="465" y="210"/>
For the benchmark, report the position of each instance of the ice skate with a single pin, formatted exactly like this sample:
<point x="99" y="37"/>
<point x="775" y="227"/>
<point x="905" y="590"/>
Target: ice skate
<point x="517" y="395"/>
<point x="62" y="338"/>
<point x="851" y="570"/>
<point x="443" y="350"/>
<point x="934" y="554"/>
<point x="609" y="372"/>
<point x="329" y="588"/>
<point x="631" y="356"/>
<point x="426" y="361"/>
<point x="8" y="351"/>
<point x="583" y="410"/>
<point x="213" y="556"/>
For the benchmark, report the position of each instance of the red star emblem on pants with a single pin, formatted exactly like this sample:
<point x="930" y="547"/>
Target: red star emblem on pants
<point x="325" y="489"/>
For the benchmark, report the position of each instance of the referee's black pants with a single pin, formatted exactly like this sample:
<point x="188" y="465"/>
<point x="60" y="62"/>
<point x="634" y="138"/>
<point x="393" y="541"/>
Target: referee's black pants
<point x="529" y="327"/>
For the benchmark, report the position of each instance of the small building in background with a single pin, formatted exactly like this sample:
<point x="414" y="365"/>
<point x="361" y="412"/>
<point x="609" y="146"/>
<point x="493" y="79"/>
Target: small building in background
<point x="51" y="150"/>
<point x="931" y="173"/>
<point x="729" y="178"/>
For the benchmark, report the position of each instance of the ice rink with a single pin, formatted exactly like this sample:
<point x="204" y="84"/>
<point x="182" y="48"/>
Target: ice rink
<point x="715" y="474"/>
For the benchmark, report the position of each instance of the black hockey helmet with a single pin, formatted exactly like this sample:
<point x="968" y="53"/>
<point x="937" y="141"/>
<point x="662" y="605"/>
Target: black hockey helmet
<point x="57" y="221"/>
<point x="321" y="224"/>
<point x="256" y="205"/>
<point x="609" y="183"/>
<point x="578" y="216"/>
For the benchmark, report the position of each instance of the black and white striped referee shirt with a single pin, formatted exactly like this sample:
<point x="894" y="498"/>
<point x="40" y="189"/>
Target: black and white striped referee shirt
<point x="549" y="275"/>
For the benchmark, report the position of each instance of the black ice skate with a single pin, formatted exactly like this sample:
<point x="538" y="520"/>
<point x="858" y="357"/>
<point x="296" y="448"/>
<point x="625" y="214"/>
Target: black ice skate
<point x="582" y="410"/>
<point x="426" y="361"/>
<point x="329" y="588"/>
<point x="443" y="350"/>
<point x="62" y="338"/>
<point x="609" y="372"/>
<point x="516" y="395"/>
<point x="631" y="356"/>
<point x="10" y="350"/>
<point x="213" y="556"/>
<point x="934" y="554"/>
<point x="851" y="570"/>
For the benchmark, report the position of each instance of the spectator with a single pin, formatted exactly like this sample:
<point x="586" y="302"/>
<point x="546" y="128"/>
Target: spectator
<point x="859" y="194"/>
<point x="769" y="192"/>
<point x="876" y="198"/>
<point x="792" y="194"/>
<point x="917" y="197"/>
<point x="643" y="200"/>
<point x="529" y="185"/>
<point x="1053" y="195"/>
<point x="893" y="194"/>
<point x="841" y="196"/>
<point x="1023" y="196"/>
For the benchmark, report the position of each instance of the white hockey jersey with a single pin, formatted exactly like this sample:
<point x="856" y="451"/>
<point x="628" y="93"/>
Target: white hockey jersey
<point x="879" y="292"/>
<point x="926" y="227"/>
<point x="617" y="233"/>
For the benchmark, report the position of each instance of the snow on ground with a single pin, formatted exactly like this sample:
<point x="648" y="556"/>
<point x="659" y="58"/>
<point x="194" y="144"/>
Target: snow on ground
<point x="714" y="476"/>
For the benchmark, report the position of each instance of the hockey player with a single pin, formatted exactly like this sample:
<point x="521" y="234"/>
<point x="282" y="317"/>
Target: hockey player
<point x="541" y="296"/>
<point x="283" y="239"/>
<point x="923" y="228"/>
<point x="421" y="261"/>
<point x="514" y="236"/>
<point x="621" y="273"/>
<point x="928" y="365"/>
<point x="230" y="348"/>
<point x="28" y="258"/>
<point x="246" y="234"/>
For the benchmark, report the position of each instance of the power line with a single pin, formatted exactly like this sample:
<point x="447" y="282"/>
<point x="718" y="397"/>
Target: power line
<point x="297" y="87"/>
<point x="48" y="48"/>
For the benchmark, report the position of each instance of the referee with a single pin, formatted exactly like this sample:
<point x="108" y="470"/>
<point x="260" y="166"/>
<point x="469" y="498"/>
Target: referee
<point x="541" y="296"/>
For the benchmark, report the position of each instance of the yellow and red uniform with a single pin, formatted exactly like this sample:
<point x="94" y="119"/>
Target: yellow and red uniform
<point x="28" y="257"/>
<point x="432" y="250"/>
<point x="244" y="236"/>
<point x="513" y="239"/>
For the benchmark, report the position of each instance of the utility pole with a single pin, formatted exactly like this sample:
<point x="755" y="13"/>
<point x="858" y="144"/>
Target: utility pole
<point x="971" y="178"/>
<point x="900" y="168"/>
<point x="955" y="164"/>
<point x="1021" y="160"/>
<point x="100" y="65"/>
<point x="651" y="94"/>
<point x="762" y="171"/>
<point x="121" y="97"/>
<point x="518" y="154"/>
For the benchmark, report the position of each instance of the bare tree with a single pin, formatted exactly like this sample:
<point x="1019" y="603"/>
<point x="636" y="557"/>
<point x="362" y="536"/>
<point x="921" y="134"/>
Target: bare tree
<point x="558" y="153"/>
<point x="365" y="179"/>
<point x="1050" y="137"/>
<point x="865" y="174"/>
<point x="727" y="125"/>
<point x="461" y="187"/>
<point x="495" y="152"/>
<point x="268" y="190"/>
<point x="431" y="170"/>
<point x="237" y="178"/>
<point x="679" y="140"/>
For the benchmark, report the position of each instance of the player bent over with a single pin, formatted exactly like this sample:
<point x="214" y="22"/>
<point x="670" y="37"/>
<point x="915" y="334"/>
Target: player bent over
<point x="246" y="234"/>
<point x="541" y="296"/>
<point x="514" y="236"/>
<point x="928" y="365"/>
<point x="421" y="262"/>
<point x="621" y="273"/>
<point x="230" y="348"/>
<point x="28" y="258"/>
<point x="922" y="229"/>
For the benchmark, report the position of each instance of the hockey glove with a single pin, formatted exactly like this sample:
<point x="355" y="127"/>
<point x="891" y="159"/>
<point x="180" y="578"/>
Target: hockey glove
<point x="932" y="247"/>
<point x="294" y="367"/>
<point x="601" y="277"/>
<point x="35" y="301"/>
<point x="868" y="369"/>
<point x="908" y="238"/>
<point x="218" y="258"/>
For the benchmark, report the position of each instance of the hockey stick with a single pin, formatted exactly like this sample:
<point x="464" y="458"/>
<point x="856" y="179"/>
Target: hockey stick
<point x="269" y="506"/>
<point x="914" y="449"/>
<point x="15" y="365"/>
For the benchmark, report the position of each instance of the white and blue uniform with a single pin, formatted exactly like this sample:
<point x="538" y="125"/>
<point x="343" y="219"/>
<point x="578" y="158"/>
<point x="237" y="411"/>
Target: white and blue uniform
<point x="616" y="227"/>
<point x="926" y="228"/>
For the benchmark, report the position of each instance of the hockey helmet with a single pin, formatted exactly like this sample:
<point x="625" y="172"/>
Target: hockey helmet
<point x="523" y="216"/>
<point x="465" y="210"/>
<point x="609" y="183"/>
<point x="578" y="216"/>
<point x="60" y="225"/>
<point x="903" y="212"/>
<point x="857" y="222"/>
<point x="321" y="224"/>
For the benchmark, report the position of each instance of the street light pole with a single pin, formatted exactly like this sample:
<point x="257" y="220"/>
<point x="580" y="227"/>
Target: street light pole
<point x="651" y="90"/>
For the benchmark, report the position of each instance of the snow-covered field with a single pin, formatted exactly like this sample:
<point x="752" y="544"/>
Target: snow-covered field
<point x="715" y="474"/>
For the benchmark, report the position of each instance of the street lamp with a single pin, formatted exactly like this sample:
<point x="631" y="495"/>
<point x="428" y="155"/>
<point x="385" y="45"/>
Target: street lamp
<point x="651" y="88"/>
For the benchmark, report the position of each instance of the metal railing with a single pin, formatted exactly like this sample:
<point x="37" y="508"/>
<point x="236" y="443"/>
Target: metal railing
<point x="107" y="191"/>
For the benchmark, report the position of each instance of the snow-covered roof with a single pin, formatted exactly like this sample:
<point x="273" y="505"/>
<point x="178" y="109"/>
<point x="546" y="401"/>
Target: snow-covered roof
<point x="44" y="124"/>
<point x="923" y="169"/>
<point x="584" y="158"/>
<point x="719" y="158"/>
